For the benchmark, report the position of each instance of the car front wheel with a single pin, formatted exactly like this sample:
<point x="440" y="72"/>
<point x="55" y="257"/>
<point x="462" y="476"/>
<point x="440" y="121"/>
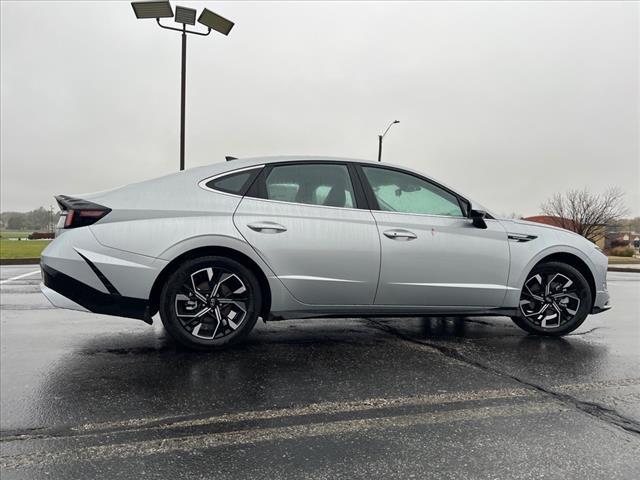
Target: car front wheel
<point x="555" y="300"/>
<point x="210" y="302"/>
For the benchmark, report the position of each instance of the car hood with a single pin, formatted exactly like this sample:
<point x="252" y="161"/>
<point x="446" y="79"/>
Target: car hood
<point x="538" y="225"/>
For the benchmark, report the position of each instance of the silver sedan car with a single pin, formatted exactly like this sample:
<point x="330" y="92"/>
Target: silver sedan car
<point x="214" y="248"/>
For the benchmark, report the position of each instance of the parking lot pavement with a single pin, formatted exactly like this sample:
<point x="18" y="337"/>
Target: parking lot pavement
<point x="85" y="396"/>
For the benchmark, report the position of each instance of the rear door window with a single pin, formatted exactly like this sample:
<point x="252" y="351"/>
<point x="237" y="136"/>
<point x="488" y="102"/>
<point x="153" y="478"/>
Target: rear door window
<point x="323" y="184"/>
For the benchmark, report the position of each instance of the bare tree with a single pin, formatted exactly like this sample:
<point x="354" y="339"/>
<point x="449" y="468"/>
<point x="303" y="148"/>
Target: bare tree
<point x="586" y="213"/>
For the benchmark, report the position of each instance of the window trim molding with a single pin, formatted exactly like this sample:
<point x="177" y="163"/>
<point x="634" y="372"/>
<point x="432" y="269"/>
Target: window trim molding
<point x="363" y="193"/>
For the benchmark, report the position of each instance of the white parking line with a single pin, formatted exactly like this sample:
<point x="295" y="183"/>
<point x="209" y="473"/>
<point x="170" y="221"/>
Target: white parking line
<point x="310" y="409"/>
<point x="19" y="277"/>
<point x="262" y="434"/>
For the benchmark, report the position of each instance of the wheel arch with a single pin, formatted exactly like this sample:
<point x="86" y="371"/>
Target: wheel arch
<point x="577" y="263"/>
<point x="154" y="296"/>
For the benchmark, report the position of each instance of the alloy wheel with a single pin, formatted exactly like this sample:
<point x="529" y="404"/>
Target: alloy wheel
<point x="550" y="299"/>
<point x="212" y="303"/>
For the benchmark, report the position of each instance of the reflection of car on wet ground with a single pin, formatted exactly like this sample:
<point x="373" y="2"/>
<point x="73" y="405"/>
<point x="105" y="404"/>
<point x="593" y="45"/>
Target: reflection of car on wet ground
<point x="214" y="248"/>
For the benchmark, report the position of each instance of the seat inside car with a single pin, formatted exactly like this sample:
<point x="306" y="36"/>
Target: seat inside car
<point x="336" y="197"/>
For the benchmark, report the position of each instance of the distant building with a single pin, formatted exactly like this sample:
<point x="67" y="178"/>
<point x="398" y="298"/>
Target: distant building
<point x="563" y="223"/>
<point x="622" y="239"/>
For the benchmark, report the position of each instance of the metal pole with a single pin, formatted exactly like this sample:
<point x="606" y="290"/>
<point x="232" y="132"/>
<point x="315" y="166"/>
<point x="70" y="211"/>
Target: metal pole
<point x="182" y="94"/>
<point x="379" y="148"/>
<point x="183" y="78"/>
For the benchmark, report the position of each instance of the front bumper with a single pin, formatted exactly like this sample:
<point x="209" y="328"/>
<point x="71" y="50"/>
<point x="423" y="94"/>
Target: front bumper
<point x="66" y="292"/>
<point x="601" y="302"/>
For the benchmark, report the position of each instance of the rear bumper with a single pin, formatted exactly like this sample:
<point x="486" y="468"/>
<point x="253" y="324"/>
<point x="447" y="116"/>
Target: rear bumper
<point x="60" y="301"/>
<point x="66" y="292"/>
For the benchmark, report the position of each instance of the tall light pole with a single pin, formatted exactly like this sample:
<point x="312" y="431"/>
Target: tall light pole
<point x="185" y="16"/>
<point x="381" y="137"/>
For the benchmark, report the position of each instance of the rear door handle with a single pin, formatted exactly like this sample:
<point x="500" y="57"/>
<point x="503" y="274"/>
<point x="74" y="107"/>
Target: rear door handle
<point x="267" y="227"/>
<point x="400" y="234"/>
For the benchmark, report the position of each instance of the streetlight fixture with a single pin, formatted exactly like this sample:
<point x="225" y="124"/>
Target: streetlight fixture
<point x="381" y="137"/>
<point x="185" y="16"/>
<point x="152" y="9"/>
<point x="215" y="22"/>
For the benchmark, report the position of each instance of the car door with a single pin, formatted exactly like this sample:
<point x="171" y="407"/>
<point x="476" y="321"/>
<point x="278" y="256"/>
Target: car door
<point x="312" y="227"/>
<point x="432" y="255"/>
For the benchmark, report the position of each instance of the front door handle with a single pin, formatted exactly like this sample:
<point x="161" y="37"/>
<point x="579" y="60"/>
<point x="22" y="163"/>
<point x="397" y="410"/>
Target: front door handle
<point x="400" y="234"/>
<point x="267" y="227"/>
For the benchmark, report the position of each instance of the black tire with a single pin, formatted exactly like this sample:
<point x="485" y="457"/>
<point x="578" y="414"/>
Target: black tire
<point x="191" y="290"/>
<point x="554" y="274"/>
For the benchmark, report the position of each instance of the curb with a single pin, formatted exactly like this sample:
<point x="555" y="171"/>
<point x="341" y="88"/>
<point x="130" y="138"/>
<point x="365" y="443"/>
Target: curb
<point x="20" y="261"/>
<point x="622" y="269"/>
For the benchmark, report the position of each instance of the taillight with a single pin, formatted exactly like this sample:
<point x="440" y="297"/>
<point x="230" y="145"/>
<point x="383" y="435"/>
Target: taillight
<point x="68" y="218"/>
<point x="80" y="213"/>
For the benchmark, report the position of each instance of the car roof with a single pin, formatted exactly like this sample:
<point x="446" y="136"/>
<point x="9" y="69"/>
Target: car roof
<point x="295" y="158"/>
<point x="239" y="163"/>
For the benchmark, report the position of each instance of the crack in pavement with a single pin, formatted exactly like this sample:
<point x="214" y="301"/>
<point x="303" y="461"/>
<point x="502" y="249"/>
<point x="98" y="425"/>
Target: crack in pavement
<point x="598" y="411"/>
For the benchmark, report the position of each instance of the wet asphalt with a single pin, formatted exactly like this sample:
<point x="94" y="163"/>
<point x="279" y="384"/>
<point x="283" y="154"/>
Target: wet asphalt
<point x="88" y="396"/>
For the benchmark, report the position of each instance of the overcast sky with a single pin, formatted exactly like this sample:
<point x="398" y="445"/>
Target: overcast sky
<point x="506" y="102"/>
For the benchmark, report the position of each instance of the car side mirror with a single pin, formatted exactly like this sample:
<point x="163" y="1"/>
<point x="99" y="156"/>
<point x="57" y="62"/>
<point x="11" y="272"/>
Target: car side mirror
<point x="477" y="218"/>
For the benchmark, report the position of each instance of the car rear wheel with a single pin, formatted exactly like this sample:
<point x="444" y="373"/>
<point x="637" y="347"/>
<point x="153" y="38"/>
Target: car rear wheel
<point x="210" y="302"/>
<point x="555" y="300"/>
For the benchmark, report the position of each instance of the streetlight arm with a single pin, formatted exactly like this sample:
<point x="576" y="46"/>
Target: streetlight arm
<point x="183" y="30"/>
<point x="381" y="137"/>
<point x="390" y="125"/>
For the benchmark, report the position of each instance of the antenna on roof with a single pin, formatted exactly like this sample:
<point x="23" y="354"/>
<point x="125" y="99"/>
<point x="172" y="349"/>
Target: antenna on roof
<point x="228" y="158"/>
